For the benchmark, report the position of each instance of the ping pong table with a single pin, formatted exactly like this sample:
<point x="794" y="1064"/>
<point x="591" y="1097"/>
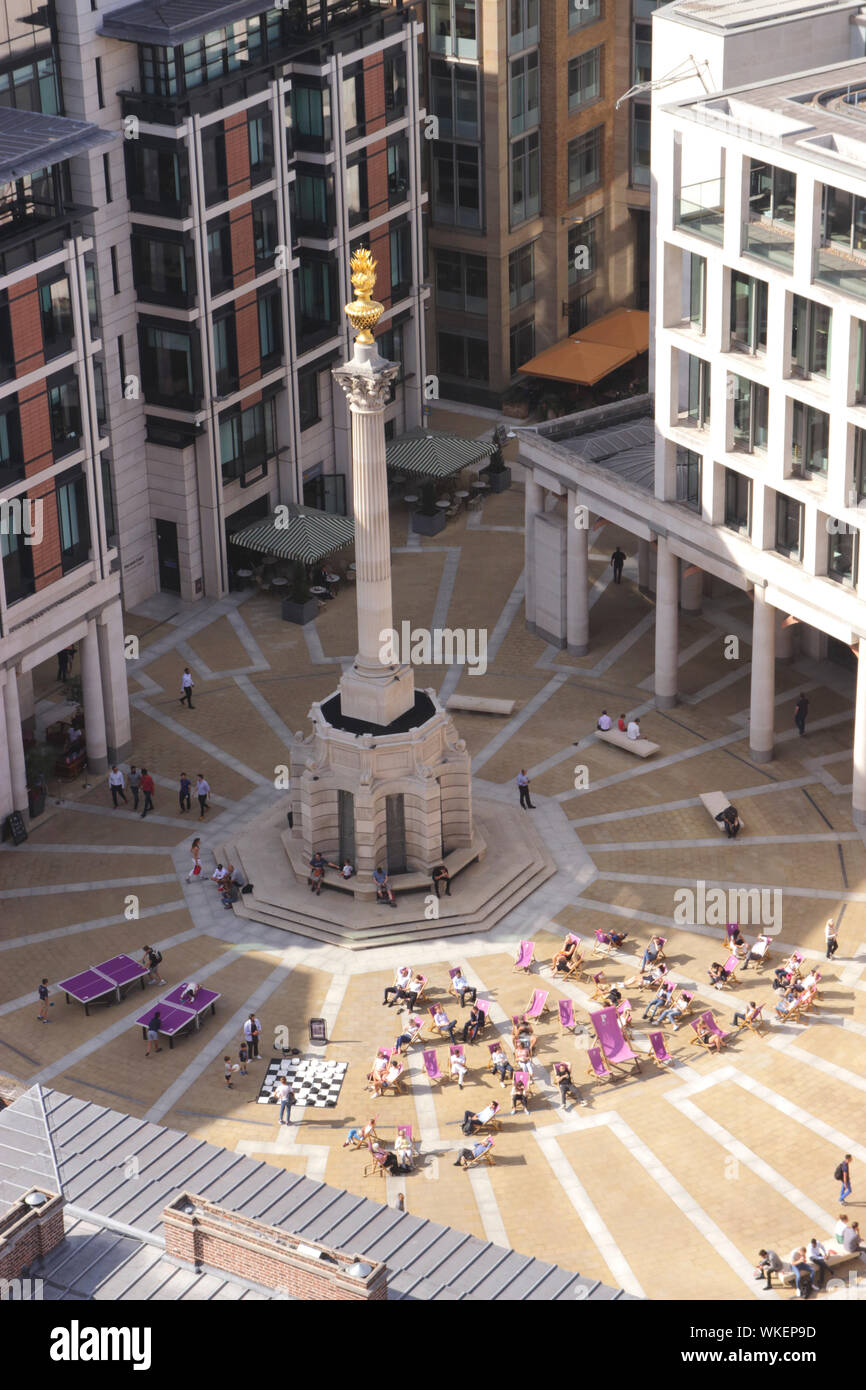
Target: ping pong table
<point x="176" y="1018"/>
<point x="103" y="981"/>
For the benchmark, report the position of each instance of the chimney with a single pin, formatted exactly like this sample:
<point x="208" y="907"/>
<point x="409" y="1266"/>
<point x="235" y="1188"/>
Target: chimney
<point x="202" y="1234"/>
<point x="32" y="1227"/>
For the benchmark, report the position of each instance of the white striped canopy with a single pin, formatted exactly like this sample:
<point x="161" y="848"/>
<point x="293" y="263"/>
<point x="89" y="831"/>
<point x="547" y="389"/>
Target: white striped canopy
<point x="435" y="453"/>
<point x="308" y="535"/>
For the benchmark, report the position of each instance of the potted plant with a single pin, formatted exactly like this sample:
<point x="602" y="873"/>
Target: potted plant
<point x="300" y="606"/>
<point x="497" y="473"/>
<point x="429" y="519"/>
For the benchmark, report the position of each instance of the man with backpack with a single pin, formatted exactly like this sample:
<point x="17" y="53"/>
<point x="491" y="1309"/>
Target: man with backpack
<point x="152" y="959"/>
<point x="843" y="1175"/>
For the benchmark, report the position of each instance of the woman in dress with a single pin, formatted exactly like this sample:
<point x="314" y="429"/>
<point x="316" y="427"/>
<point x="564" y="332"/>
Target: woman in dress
<point x="195" y="867"/>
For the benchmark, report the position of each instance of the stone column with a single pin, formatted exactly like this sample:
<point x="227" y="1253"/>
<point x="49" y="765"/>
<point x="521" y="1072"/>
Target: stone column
<point x="6" y="798"/>
<point x="15" y="744"/>
<point x="762" y="708"/>
<point x="91" y="698"/>
<point x="533" y="503"/>
<point x="115" y="697"/>
<point x="691" y="585"/>
<point x="667" y="625"/>
<point x="643" y="566"/>
<point x="577" y="580"/>
<point x="858" y="793"/>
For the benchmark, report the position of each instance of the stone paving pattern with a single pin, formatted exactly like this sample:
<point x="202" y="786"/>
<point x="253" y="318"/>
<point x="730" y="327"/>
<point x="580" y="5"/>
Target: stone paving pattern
<point x="667" y="1183"/>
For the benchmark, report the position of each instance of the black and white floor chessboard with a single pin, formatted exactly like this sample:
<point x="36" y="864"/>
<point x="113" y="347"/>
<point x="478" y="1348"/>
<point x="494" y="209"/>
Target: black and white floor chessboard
<point x="314" y="1082"/>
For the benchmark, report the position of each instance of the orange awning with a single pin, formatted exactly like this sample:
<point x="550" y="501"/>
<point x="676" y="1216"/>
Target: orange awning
<point x="595" y="351"/>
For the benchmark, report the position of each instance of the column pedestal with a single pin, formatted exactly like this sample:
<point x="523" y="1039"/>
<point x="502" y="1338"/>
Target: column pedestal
<point x="643" y="566"/>
<point x="15" y="744"/>
<point x="533" y="503"/>
<point x="91" y="698"/>
<point x="577" y="583"/>
<point x="115" y="698"/>
<point x="763" y="693"/>
<point x="667" y="626"/>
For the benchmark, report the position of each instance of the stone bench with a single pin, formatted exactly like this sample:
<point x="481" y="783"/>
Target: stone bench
<point x="836" y="1259"/>
<point x="455" y="862"/>
<point x="641" y="747"/>
<point x="479" y="704"/>
<point x="716" y="802"/>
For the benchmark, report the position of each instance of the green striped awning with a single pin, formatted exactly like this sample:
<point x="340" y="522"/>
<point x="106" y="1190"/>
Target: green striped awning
<point x="304" y="534"/>
<point x="436" y="454"/>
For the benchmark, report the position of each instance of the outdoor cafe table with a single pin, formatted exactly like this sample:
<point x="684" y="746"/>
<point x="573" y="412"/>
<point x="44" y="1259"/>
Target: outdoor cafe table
<point x="103" y="980"/>
<point x="444" y="502"/>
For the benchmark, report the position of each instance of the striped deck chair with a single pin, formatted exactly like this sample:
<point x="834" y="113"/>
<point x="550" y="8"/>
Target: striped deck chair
<point x="599" y="985"/>
<point x="756" y="1023"/>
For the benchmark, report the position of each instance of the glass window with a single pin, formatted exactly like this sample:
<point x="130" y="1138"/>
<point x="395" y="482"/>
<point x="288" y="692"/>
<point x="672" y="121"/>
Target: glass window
<point x="521" y="344"/>
<point x="316" y="282"/>
<point x="689" y="477"/>
<point x="158" y="70"/>
<point x="461" y="281"/>
<point x="353" y="101"/>
<point x="401" y="260"/>
<point x="55" y="308"/>
<point x="308" y="395"/>
<point x="355" y="191"/>
<point x="161" y="267"/>
<point x="751" y="414"/>
<point x="738" y="501"/>
<point x="216" y="183"/>
<point x="578" y="313"/>
<point x="697" y="277"/>
<point x="582" y="242"/>
<point x="842" y="555"/>
<point x="523" y="24"/>
<point x="247" y="441"/>
<point x="395" y="82"/>
<point x="523" y="92"/>
<point x="748" y="313"/>
<point x="521" y="276"/>
<point x="65" y="414"/>
<point x="698" y="406"/>
<point x="584" y="79"/>
<point x="73" y="520"/>
<point x="312" y="202"/>
<point x="584" y="162"/>
<point x="11" y="455"/>
<point x="809" y="439"/>
<point x="17" y="559"/>
<point x="398" y="170"/>
<point x="789" y="526"/>
<point x="640" y="144"/>
<point x="642" y="53"/>
<point x="219" y="254"/>
<point x="265" y="233"/>
<point x="156" y="177"/>
<point x="463" y="357"/>
<point x="225" y="353"/>
<point x="270" y="327"/>
<point x="261" y="144"/>
<point x="457" y="184"/>
<point x="810" y="337"/>
<point x="859" y="464"/>
<point x="311" y="117"/>
<point x="525" y="179"/>
<point x="169" y="365"/>
<point x="582" y="12"/>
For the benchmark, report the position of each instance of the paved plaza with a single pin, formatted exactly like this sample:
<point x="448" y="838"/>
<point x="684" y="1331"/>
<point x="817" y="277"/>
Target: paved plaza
<point x="666" y="1184"/>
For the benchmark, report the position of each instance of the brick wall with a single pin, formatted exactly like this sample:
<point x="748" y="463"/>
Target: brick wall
<point x="28" y="1232"/>
<point x="223" y="1240"/>
<point x="36" y="447"/>
<point x="247" y="329"/>
<point x="26" y="323"/>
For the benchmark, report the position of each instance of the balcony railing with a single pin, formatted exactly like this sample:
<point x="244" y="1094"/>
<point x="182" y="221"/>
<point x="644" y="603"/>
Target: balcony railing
<point x="771" y="241"/>
<point x="701" y="209"/>
<point x="844" y="270"/>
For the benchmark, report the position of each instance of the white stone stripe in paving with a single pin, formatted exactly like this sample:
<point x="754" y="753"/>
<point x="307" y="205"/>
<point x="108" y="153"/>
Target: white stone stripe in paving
<point x="638" y="812"/>
<point x="331" y="1006"/>
<point x="517" y="721"/>
<point x="488" y="1207"/>
<point x="83" y="808"/>
<point x="848" y="1078"/>
<point x="266" y="710"/>
<point x="40" y="847"/>
<point x="684" y="657"/>
<point x="845" y="895"/>
<point x="620" y="648"/>
<point x="204" y="745"/>
<point x="197" y="665"/>
<point x="185" y="626"/>
<point x="707" y="692"/>
<point x="588" y="1213"/>
<point x="247" y="640"/>
<point x="624" y="847"/>
<point x="795" y="1112"/>
<point x="47" y="890"/>
<point x="75" y="928"/>
<point x="742" y="716"/>
<point x="445" y="591"/>
<point x="573" y="749"/>
<point x="851" y="973"/>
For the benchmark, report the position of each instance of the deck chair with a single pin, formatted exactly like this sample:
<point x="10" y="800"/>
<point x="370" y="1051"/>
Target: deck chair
<point x="794" y="963"/>
<point x="431" y="1065"/>
<point x="456" y="1050"/>
<point x="527" y="1082"/>
<point x="687" y="1001"/>
<point x="662" y="942"/>
<point x="730" y="968"/>
<point x="365" y="1136"/>
<point x="406" y="1131"/>
<point x="441" y="1032"/>
<point x="569" y="938"/>
<point x="451" y="977"/>
<point x="376" y="1163"/>
<point x="524" y="956"/>
<point x="657" y="981"/>
<point x="414" y="1024"/>
<point x="567" y="1020"/>
<point x="484" y="1006"/>
<point x="616" y="1050"/>
<point x="395" y="1085"/>
<point x="491" y="1125"/>
<point x="537" y="1005"/>
<point x="623" y="1013"/>
<point x="576" y="968"/>
<point x="658" y="1050"/>
<point x="485" y="1156"/>
<point x="423" y="990"/>
<point x="603" y="943"/>
<point x="708" y="1019"/>
<point x="599" y="985"/>
<point x="760" y="952"/>
<point x="491" y="1048"/>
<point x="755" y="1024"/>
<point x="597" y="1065"/>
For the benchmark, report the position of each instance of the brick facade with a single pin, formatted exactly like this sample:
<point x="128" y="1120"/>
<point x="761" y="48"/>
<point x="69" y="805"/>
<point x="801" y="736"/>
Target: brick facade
<point x="26" y="1233"/>
<point x="200" y="1233"/>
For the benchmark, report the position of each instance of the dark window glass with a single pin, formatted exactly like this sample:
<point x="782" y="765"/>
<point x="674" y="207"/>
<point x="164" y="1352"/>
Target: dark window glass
<point x="156" y="177"/>
<point x="73" y="520"/>
<point x="17" y="566"/>
<point x="395" y="82"/>
<point x="353" y="101"/>
<point x="398" y="170"/>
<point x="55" y="308"/>
<point x="265" y="233"/>
<point x="308" y="394"/>
<point x="789" y="526"/>
<point x="261" y="142"/>
<point x="521" y="276"/>
<point x="810" y="438"/>
<point x="65" y="413"/>
<point x="225" y="352"/>
<point x="584" y="79"/>
<point x="811" y="325"/>
<point x="169" y="434"/>
<point x="162" y="267"/>
<point x="401" y="260"/>
<point x="270" y="327"/>
<point x="108" y="508"/>
<point x="11" y="455"/>
<point x="457" y="184"/>
<point x="842" y="555"/>
<point x="316" y="286"/>
<point x="219" y="254"/>
<point x="170" y="367"/>
<point x="463" y="357"/>
<point x="689" y="478"/>
<point x="312" y="198"/>
<point x="355" y="191"/>
<point x="461" y="281"/>
<point x="584" y="162"/>
<point x="582" y="244"/>
<point x="311" y="117"/>
<point x="213" y="147"/>
<point x="247" y="441"/>
<point x="521" y="344"/>
<point x="738" y="501"/>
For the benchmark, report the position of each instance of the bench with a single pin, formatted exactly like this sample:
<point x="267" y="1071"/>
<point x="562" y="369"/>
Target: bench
<point x="836" y="1259"/>
<point x="455" y="862"/>
<point x="716" y="802"/>
<point x="641" y="747"/>
<point x="479" y="704"/>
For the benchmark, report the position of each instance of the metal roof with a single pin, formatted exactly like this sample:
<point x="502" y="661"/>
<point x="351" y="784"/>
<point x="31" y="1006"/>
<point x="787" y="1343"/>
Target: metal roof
<point x="175" y="21"/>
<point x="30" y="141"/>
<point x="627" y="450"/>
<point x="742" y="14"/>
<point x="118" y="1173"/>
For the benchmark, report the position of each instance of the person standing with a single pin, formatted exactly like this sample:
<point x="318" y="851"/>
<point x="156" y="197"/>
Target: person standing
<point x="252" y="1033"/>
<point x="831" y="938"/>
<point x="843" y="1175"/>
<point x="523" y="786"/>
<point x="116" y="782"/>
<point x="183" y="792"/>
<point x="228" y="1069"/>
<point x="243" y="1058"/>
<point x="195" y="867"/>
<point x="148" y="788"/>
<point x="153" y="1033"/>
<point x="617" y="560"/>
<point x="202" y="791"/>
<point x="286" y="1098"/>
<point x="43" y="1002"/>
<point x="63" y="663"/>
<point x="186" y="683"/>
<point x="801" y="712"/>
<point x="134" y="780"/>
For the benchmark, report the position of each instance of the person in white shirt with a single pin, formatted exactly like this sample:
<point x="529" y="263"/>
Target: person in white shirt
<point x="458" y="1069"/>
<point x="116" y="782"/>
<point x="186" y="688"/>
<point x="219" y="874"/>
<point x="400" y="987"/>
<point x="462" y="987"/>
<point x="633" y="730"/>
<point x="347" y="870"/>
<point x="604" y="721"/>
<point x="252" y="1033"/>
<point x="831" y="937"/>
<point x="202" y="791"/>
<point x="842" y="1225"/>
<point x="817" y="1258"/>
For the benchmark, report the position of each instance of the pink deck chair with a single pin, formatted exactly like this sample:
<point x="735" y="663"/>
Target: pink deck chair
<point x="406" y="1130"/>
<point x="527" y="1081"/>
<point x="537" y="1004"/>
<point x="491" y="1048"/>
<point x="567" y="1020"/>
<point x="708" y="1019"/>
<point x="614" y="1046"/>
<point x="524" y="956"/>
<point x="414" y="1024"/>
<point x="603" y="943"/>
<point x="597" y="1065"/>
<point x="431" y="1066"/>
<point x="623" y="1013"/>
<point x="658" y="1051"/>
<point x="395" y="1085"/>
<point x="484" y="1006"/>
<point x="730" y="968"/>
<point x="456" y="1050"/>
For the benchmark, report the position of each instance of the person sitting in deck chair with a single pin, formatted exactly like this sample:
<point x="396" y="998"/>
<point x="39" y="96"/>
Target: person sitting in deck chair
<point x="518" y="1095"/>
<point x="563" y="959"/>
<point x="708" y="1038"/>
<point x="473" y="1121"/>
<point x="467" y="1156"/>
<point x="501" y="1066"/>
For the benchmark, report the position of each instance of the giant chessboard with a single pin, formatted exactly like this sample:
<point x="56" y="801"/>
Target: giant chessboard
<point x="313" y="1081"/>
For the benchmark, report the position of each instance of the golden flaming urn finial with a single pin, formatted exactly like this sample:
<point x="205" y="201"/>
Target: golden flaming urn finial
<point x="364" y="312"/>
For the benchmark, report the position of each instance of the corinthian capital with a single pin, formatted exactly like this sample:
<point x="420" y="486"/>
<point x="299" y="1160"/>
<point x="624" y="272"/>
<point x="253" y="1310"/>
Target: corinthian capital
<point x="365" y="387"/>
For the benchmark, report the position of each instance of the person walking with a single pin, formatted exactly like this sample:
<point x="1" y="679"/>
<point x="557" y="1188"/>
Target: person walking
<point x="183" y="792"/>
<point x="186" y="683"/>
<point x="617" y="560"/>
<point x="134" y="780"/>
<point x="152" y="959"/>
<point x="831" y="938"/>
<point x="195" y="867"/>
<point x="153" y="1033"/>
<point x="148" y="788"/>
<point x="252" y="1033"/>
<point x="116" y="783"/>
<point x="43" y="1002"/>
<point x="801" y="712"/>
<point x="202" y="791"/>
<point x="523" y="786"/>
<point x="843" y="1175"/>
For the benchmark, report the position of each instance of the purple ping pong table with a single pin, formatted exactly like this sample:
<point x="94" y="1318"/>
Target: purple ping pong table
<point x="177" y="1018"/>
<point x="103" y="981"/>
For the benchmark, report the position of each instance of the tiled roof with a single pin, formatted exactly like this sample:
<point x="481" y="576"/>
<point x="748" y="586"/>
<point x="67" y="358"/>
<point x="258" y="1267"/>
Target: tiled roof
<point x="118" y="1173"/>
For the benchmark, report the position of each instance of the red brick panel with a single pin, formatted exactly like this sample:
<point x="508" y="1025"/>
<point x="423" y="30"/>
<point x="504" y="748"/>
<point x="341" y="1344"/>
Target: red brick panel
<point x="247" y="329"/>
<point x="47" y="562"/>
<point x="243" y="247"/>
<point x="377" y="179"/>
<point x="26" y="327"/>
<point x="27" y="1233"/>
<point x="374" y="92"/>
<point x="380" y="245"/>
<point x="237" y="154"/>
<point x="36" y="445"/>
